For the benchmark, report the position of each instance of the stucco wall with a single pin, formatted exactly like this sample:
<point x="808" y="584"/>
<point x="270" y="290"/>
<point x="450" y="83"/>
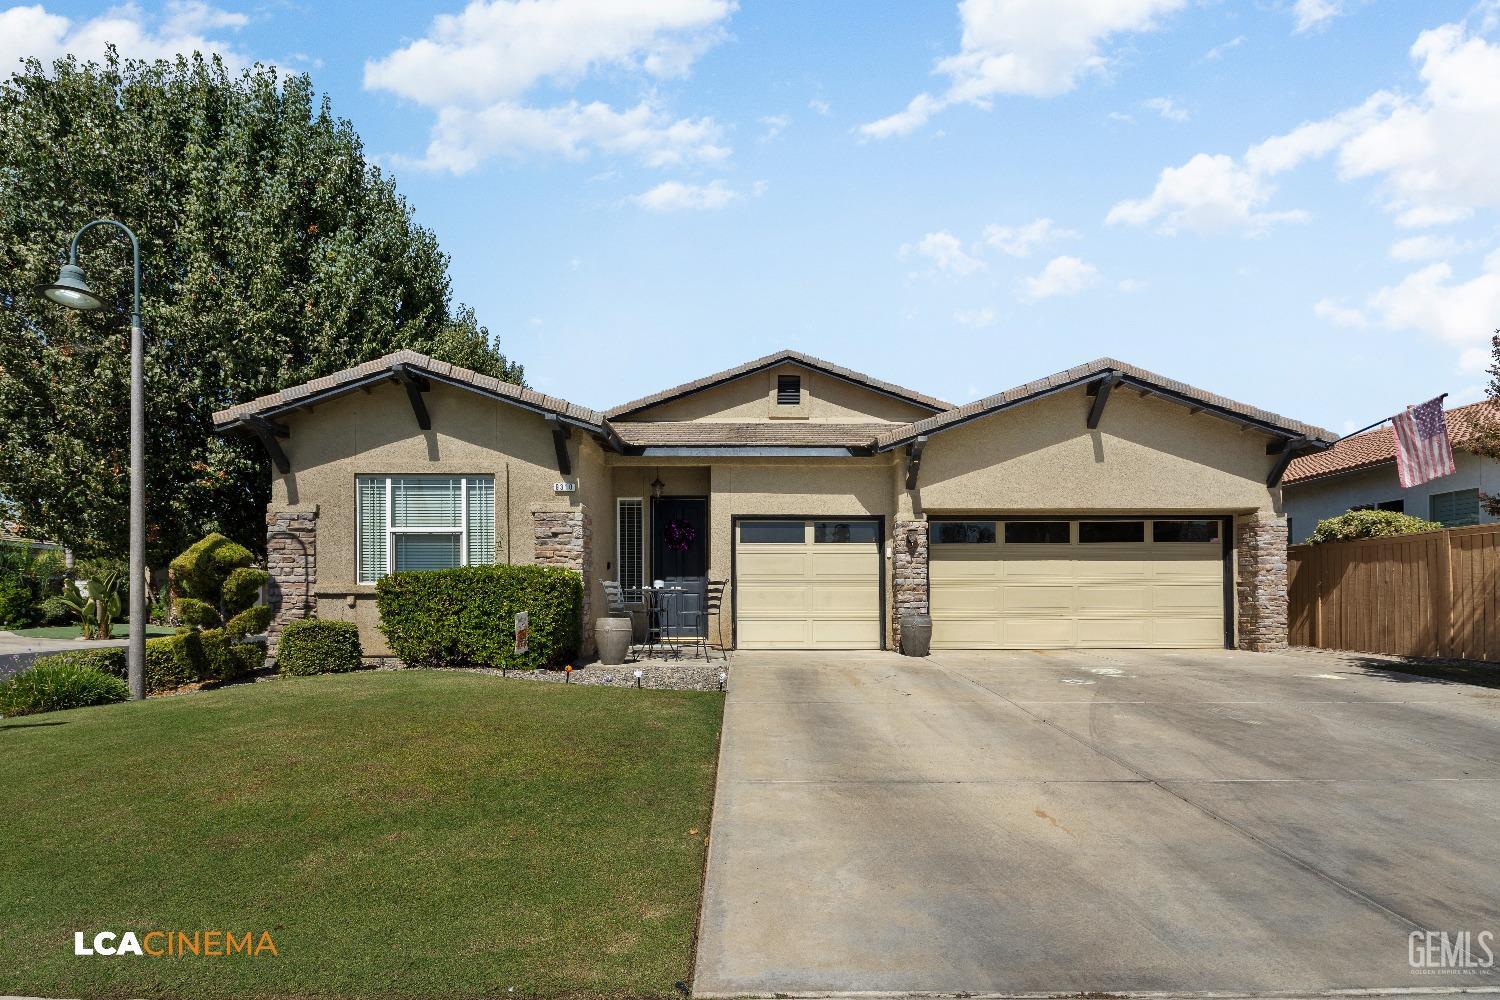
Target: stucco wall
<point x="1147" y="455"/>
<point x="753" y="398"/>
<point x="1311" y="502"/>
<point x="376" y="433"/>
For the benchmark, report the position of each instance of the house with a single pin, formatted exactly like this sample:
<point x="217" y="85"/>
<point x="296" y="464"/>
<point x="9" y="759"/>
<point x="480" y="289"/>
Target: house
<point x="1359" y="472"/>
<point x="1102" y="506"/>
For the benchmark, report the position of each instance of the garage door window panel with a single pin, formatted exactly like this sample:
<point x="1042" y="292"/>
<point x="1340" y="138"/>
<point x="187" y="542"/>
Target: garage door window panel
<point x="1111" y="532"/>
<point x="1184" y="531"/>
<point x="1038" y="532"/>
<point x="963" y="533"/>
<point x="846" y="533"/>
<point x="773" y="532"/>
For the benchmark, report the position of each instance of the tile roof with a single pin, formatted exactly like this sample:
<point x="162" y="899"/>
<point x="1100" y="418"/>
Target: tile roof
<point x="788" y="433"/>
<point x="1083" y="373"/>
<point x="1378" y="446"/>
<point x="750" y="367"/>
<point x="351" y="378"/>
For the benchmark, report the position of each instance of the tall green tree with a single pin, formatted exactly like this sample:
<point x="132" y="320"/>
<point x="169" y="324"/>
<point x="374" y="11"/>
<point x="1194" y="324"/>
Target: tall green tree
<point x="273" y="252"/>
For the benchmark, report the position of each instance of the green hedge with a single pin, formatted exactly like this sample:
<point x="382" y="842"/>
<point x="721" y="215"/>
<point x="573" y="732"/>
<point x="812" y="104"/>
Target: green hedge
<point x="1369" y="524"/>
<point x="252" y="656"/>
<point x="110" y="660"/>
<point x="174" y="660"/>
<point x="15" y="601"/>
<point x="55" y="683"/>
<point x="315" y="646"/>
<point x="467" y="617"/>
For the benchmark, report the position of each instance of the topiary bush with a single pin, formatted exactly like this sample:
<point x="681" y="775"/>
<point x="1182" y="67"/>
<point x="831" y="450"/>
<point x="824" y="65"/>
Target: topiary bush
<point x="316" y="646"/>
<point x="1355" y="524"/>
<point x="195" y="613"/>
<point x="251" y="621"/>
<point x="466" y="617"/>
<point x="242" y="589"/>
<point x="202" y="569"/>
<point x="54" y="683"/>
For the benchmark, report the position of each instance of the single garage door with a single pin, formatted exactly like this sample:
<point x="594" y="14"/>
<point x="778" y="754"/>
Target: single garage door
<point x="1032" y="584"/>
<point x="807" y="584"/>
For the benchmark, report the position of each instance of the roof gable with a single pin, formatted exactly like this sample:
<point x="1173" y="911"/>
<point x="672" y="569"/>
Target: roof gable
<point x="1140" y="378"/>
<point x="859" y="379"/>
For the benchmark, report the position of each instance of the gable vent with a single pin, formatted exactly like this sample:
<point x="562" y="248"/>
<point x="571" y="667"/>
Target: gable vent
<point x="788" y="390"/>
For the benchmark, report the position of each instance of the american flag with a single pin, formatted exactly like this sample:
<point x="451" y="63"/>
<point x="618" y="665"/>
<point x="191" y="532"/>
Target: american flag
<point x="1423" y="451"/>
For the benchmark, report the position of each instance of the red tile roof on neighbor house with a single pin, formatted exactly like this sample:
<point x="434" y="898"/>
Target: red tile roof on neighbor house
<point x="1378" y="446"/>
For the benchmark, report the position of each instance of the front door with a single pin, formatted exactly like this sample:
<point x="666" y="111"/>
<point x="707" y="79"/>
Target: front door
<point x="679" y="558"/>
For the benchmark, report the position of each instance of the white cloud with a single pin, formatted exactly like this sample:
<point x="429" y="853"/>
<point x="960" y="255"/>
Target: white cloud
<point x="1207" y="194"/>
<point x="1340" y="315"/>
<point x="975" y="319"/>
<point x="1435" y="156"/>
<point x="820" y="107"/>
<point x="675" y="196"/>
<point x="462" y="139"/>
<point x="1459" y="314"/>
<point x="31" y="32"/>
<point x="775" y="125"/>
<point x="1217" y="52"/>
<point x="945" y="252"/>
<point x="1020" y="241"/>
<point x="1427" y="247"/>
<point x="1310" y="14"/>
<point x="1167" y="108"/>
<point x="1130" y="285"/>
<point x="1122" y="117"/>
<point x="1035" y="48"/>
<point x="1062" y="276"/>
<point x="476" y="68"/>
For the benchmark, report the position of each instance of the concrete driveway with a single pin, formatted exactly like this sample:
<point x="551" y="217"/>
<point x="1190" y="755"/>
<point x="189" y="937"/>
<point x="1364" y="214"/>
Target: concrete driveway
<point x="1101" y="821"/>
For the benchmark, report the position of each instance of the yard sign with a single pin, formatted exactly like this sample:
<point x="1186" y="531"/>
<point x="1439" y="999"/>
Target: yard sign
<point x="523" y="631"/>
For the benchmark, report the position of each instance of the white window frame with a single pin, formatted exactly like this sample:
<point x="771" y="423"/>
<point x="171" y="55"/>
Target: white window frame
<point x="619" y="536"/>
<point x="391" y="531"/>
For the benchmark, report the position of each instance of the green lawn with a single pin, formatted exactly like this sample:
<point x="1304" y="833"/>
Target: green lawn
<point x="400" y="834"/>
<point x="117" y="631"/>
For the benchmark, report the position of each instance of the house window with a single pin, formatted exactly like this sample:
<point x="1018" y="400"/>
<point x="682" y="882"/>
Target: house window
<point x="1455" y="509"/>
<point x="630" y="543"/>
<point x="963" y="532"/>
<point x="1111" y="531"/>
<point x="423" y="522"/>
<point x="788" y="390"/>
<point x="1399" y="506"/>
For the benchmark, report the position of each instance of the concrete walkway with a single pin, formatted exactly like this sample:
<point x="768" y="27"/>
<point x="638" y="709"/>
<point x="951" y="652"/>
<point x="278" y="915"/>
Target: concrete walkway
<point x="17" y="651"/>
<point x="1110" y="821"/>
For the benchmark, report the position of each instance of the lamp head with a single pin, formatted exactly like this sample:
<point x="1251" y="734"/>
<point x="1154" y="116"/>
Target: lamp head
<point x="72" y="289"/>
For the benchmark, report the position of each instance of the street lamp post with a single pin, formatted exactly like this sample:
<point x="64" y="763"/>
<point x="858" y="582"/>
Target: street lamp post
<point x="72" y="290"/>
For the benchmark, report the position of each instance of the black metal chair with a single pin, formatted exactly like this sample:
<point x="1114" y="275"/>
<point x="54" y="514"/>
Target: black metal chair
<point x="619" y="603"/>
<point x="656" y="625"/>
<point x="713" y="600"/>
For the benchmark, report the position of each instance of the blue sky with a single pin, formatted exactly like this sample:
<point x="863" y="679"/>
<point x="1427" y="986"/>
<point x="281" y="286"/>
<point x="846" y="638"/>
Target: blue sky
<point x="1291" y="202"/>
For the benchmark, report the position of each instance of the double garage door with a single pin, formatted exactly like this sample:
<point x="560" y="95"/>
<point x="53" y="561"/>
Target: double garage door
<point x="994" y="583"/>
<point x="1032" y="584"/>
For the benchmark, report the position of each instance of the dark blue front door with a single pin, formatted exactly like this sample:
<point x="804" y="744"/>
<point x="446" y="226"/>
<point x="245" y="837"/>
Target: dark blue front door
<point x="679" y="558"/>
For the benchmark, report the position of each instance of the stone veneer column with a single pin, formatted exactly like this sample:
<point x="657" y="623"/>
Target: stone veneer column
<point x="909" y="558"/>
<point x="566" y="538"/>
<point x="1260" y="549"/>
<point x="292" y="561"/>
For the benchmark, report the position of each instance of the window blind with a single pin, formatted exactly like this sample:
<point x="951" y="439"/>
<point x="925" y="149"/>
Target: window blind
<point x="426" y="503"/>
<point x="426" y="551"/>
<point x="370" y="514"/>
<point x="481" y="541"/>
<point x="631" y="543"/>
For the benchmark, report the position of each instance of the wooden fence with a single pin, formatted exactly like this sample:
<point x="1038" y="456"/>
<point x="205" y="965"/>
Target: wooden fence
<point x="1433" y="594"/>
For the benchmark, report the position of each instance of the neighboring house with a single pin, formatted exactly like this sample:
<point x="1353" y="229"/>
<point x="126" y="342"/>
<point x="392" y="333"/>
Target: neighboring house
<point x="11" y="533"/>
<point x="1101" y="506"/>
<point x="1359" y="472"/>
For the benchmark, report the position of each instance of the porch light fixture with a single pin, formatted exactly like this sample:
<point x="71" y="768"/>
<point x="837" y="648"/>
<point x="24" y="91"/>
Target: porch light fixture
<point x="657" y="488"/>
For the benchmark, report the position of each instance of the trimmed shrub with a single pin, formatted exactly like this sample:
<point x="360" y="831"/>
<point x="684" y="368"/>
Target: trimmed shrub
<point x="110" y="660"/>
<point x="1369" y="524"/>
<point x="201" y="570"/>
<point x="315" y="646"/>
<point x="55" y="611"/>
<point x="195" y="613"/>
<point x="466" y="617"/>
<point x="174" y="660"/>
<point x="52" y="684"/>
<point x="219" y="661"/>
<point x="252" y="621"/>
<point x="242" y="589"/>
<point x="252" y="656"/>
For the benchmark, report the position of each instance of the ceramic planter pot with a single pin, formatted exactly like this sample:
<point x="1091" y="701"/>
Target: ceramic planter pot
<point x="613" y="636"/>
